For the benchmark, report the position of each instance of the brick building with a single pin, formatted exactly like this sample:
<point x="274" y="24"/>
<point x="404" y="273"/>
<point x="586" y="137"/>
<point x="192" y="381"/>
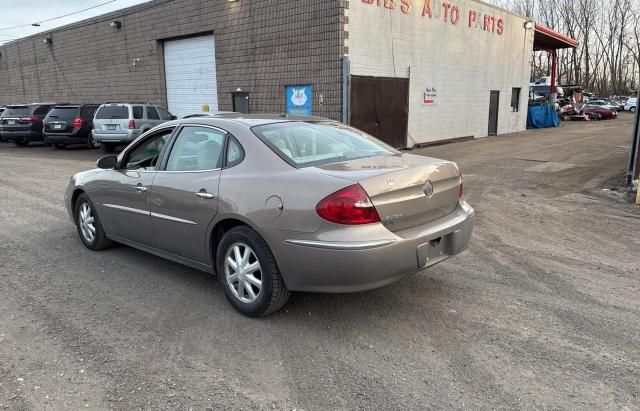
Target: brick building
<point x="408" y="71"/>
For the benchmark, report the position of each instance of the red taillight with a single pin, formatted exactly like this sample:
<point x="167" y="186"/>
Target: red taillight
<point x="32" y="118"/>
<point x="350" y="205"/>
<point x="78" y="122"/>
<point x="461" y="193"/>
<point x="132" y="124"/>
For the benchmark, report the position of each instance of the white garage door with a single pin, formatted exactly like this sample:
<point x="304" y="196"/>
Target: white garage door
<point x="190" y="73"/>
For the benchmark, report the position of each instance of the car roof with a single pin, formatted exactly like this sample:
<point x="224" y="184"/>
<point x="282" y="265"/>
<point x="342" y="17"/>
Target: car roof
<point x="251" y="120"/>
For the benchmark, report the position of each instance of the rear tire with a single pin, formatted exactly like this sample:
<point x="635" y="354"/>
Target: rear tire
<point x="21" y="143"/>
<point x="89" y="226"/>
<point x="91" y="142"/>
<point x="255" y="264"/>
<point x="632" y="109"/>
<point x="108" y="147"/>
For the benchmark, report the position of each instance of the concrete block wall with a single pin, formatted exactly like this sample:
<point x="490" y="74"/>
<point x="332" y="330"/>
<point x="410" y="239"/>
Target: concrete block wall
<point x="261" y="46"/>
<point x="463" y="63"/>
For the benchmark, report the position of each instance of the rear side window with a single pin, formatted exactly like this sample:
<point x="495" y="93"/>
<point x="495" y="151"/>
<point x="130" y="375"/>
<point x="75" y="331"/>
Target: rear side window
<point x="235" y="154"/>
<point x="152" y="113"/>
<point x="87" y="112"/>
<point x="17" y="111"/>
<point x="306" y="144"/>
<point x="112" y="112"/>
<point x="63" y="113"/>
<point x="138" y="112"/>
<point x="41" y="110"/>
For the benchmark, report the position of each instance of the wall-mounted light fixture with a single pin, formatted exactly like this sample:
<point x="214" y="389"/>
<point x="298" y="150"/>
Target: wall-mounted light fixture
<point x="232" y="1"/>
<point x="528" y="25"/>
<point x="116" y="24"/>
<point x="136" y="61"/>
<point x="48" y="41"/>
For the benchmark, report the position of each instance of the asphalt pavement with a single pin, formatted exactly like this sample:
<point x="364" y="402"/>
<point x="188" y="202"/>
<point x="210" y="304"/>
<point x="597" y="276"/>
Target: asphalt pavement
<point x="543" y="310"/>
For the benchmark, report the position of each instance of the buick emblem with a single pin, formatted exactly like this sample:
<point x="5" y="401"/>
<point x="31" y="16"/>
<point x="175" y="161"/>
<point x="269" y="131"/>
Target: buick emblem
<point x="428" y="189"/>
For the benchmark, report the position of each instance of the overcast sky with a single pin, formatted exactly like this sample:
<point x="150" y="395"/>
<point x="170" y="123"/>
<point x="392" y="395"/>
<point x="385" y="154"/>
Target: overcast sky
<point x="18" y="12"/>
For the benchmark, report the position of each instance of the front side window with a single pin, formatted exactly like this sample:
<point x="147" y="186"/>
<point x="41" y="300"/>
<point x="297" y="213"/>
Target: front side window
<point x="145" y="155"/>
<point x="196" y="149"/>
<point x="305" y="144"/>
<point x="164" y="114"/>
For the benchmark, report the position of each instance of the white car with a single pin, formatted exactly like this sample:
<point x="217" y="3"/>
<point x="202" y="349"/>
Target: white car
<point x="631" y="105"/>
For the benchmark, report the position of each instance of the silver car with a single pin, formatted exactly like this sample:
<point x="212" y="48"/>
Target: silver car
<point x="274" y="205"/>
<point x="120" y="123"/>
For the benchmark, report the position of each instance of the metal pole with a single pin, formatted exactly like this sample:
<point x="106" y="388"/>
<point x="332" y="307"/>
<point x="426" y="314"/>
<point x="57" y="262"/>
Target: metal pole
<point x="553" y="96"/>
<point x="634" y="168"/>
<point x="346" y="76"/>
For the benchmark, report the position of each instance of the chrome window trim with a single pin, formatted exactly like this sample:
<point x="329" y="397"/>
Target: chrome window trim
<point x="329" y="245"/>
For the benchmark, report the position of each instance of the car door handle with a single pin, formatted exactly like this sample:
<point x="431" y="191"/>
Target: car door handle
<point x="204" y="195"/>
<point x="142" y="189"/>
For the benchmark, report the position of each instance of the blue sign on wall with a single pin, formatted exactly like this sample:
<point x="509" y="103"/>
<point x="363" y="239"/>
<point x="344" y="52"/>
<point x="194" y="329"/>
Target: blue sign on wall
<point x="298" y="100"/>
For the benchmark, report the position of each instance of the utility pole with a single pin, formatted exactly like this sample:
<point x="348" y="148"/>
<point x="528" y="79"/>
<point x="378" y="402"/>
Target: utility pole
<point x="633" y="168"/>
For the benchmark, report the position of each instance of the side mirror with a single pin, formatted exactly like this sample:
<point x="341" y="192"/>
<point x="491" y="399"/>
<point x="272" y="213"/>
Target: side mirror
<point x="108" y="162"/>
<point x="174" y="117"/>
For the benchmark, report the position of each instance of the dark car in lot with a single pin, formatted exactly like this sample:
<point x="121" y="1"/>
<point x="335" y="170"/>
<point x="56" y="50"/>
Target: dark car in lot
<point x="22" y="124"/>
<point x="70" y="124"/>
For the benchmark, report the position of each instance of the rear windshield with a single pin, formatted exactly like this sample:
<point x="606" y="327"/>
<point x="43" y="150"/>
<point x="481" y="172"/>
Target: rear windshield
<point x="113" y="112"/>
<point x="18" y="111"/>
<point x="63" y="113"/>
<point x="305" y="144"/>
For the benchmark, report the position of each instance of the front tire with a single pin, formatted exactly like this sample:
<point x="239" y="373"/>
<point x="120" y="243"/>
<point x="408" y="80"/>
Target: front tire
<point x="89" y="226"/>
<point x="20" y="143"/>
<point x="248" y="273"/>
<point x="632" y="109"/>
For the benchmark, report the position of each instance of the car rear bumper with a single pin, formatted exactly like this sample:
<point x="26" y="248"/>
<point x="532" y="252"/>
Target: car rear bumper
<point x="116" y="138"/>
<point x="319" y="262"/>
<point x="66" y="138"/>
<point x="22" y="135"/>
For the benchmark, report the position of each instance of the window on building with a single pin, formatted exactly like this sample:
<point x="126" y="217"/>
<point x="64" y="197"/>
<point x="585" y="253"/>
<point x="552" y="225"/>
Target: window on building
<point x="515" y="99"/>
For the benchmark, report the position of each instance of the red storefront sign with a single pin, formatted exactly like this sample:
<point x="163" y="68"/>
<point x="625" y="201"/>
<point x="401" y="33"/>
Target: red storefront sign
<point x="447" y="12"/>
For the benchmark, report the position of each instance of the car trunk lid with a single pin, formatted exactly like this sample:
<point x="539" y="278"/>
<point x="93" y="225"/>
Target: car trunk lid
<point x="407" y="190"/>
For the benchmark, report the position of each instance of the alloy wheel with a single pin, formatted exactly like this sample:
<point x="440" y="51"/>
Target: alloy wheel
<point x="87" y="225"/>
<point x="243" y="272"/>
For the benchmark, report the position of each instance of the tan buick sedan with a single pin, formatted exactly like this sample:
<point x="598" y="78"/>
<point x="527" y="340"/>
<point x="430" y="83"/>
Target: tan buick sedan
<point x="274" y="205"/>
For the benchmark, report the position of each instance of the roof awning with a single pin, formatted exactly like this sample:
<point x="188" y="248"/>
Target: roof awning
<point x="547" y="39"/>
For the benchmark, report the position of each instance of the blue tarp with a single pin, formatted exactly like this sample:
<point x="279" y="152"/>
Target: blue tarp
<point x="542" y="116"/>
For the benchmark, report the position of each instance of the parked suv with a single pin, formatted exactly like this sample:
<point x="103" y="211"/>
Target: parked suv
<point x="120" y="123"/>
<point x="22" y="124"/>
<point x="632" y="104"/>
<point x="70" y="124"/>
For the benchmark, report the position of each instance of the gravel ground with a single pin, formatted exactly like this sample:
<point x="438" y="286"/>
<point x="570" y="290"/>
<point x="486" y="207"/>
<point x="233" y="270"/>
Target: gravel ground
<point x="543" y="311"/>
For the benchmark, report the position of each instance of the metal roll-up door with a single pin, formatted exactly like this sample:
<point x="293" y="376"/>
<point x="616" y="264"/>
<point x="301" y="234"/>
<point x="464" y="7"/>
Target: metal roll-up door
<point x="190" y="75"/>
